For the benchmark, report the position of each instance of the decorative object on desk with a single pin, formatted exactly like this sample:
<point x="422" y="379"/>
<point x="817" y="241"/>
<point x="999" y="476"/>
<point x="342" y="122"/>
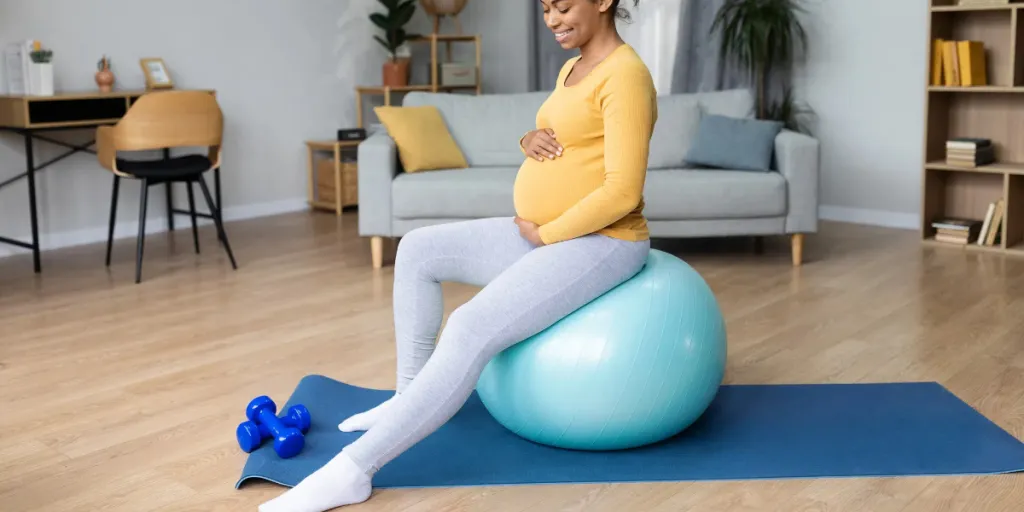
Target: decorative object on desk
<point x="764" y="37"/>
<point x="41" y="71"/>
<point x="969" y="152"/>
<point x="442" y="8"/>
<point x="396" y="70"/>
<point x="104" y="77"/>
<point x="157" y="76"/>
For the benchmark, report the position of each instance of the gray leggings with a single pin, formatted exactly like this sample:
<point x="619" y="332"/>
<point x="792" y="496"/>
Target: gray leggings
<point x="525" y="290"/>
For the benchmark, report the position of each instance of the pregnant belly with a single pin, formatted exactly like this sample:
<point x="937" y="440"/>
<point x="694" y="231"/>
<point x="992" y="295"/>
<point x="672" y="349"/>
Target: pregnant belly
<point x="545" y="190"/>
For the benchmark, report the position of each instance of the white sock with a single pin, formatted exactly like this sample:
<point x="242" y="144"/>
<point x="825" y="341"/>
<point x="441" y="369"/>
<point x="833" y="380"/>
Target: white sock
<point x="338" y="483"/>
<point x="365" y="420"/>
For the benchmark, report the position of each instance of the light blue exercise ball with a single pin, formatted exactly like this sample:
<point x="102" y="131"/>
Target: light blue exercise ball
<point x="633" y="367"/>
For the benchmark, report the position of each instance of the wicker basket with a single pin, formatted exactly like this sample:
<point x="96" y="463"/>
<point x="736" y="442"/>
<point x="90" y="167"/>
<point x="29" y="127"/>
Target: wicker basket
<point x="443" y="7"/>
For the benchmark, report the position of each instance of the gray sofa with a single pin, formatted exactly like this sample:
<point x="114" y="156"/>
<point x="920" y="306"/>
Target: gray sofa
<point x="681" y="201"/>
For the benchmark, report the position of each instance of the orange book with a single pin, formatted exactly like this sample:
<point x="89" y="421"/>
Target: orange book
<point x="972" y="63"/>
<point x="937" y="78"/>
<point x="948" y="63"/>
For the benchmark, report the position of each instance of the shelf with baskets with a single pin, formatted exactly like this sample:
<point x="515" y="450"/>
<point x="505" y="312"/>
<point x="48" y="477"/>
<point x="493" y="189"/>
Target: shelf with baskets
<point x="973" y="172"/>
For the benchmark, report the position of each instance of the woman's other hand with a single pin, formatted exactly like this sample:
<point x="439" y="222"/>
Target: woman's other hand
<point x="529" y="231"/>
<point x="541" y="143"/>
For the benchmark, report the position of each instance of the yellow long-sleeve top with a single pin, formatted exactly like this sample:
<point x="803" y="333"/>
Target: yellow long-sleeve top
<point x="604" y="124"/>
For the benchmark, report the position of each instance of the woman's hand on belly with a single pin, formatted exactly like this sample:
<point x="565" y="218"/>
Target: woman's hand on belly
<point x="529" y="230"/>
<point x="539" y="144"/>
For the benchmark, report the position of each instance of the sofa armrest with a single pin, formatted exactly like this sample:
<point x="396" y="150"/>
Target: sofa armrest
<point x="797" y="158"/>
<point x="378" y="166"/>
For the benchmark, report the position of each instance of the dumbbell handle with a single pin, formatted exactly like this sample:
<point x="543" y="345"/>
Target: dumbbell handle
<point x="272" y="423"/>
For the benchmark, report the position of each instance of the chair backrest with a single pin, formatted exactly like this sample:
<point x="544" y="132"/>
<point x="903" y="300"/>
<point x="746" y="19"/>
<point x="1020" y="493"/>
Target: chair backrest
<point x="171" y="119"/>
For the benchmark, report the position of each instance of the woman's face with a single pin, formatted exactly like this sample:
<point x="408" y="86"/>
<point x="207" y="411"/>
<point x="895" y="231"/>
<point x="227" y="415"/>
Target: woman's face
<point x="574" y="22"/>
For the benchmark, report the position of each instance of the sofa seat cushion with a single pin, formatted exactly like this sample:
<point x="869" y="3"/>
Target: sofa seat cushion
<point x="454" y="193"/>
<point x="672" y="194"/>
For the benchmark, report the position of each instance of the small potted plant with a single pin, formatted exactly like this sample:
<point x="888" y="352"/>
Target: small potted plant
<point x="392" y="22"/>
<point x="104" y="77"/>
<point x="41" y="71"/>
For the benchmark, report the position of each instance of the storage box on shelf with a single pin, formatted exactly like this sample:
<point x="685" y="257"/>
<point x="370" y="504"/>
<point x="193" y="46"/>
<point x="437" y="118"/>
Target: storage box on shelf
<point x="974" y="118"/>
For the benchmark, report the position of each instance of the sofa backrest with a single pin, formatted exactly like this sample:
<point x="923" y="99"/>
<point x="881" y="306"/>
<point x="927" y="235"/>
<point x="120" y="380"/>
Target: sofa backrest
<point x="487" y="128"/>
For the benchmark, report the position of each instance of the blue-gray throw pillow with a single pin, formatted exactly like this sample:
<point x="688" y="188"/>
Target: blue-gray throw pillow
<point x="734" y="143"/>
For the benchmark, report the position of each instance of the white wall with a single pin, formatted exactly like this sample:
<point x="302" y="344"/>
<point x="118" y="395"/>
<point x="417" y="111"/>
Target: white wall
<point x="865" y="79"/>
<point x="284" y="72"/>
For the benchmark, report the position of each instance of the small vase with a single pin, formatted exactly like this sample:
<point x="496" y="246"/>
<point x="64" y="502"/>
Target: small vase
<point x="41" y="78"/>
<point x="105" y="80"/>
<point x="396" y="73"/>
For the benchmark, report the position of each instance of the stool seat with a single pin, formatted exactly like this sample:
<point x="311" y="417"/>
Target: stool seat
<point x="173" y="168"/>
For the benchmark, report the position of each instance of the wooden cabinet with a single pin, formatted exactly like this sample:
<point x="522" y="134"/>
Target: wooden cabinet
<point x="333" y="174"/>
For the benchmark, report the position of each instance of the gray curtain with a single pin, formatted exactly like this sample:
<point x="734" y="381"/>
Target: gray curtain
<point x="698" y="67"/>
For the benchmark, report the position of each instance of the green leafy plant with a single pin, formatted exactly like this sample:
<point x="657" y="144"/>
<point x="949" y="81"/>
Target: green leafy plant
<point x="762" y="36"/>
<point x="398" y="14"/>
<point x="796" y="116"/>
<point x="41" y="56"/>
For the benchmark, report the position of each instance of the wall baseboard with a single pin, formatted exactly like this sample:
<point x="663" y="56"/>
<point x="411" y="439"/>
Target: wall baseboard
<point x="51" y="241"/>
<point x="881" y="218"/>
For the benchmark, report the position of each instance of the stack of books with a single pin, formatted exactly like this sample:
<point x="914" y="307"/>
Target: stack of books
<point x="957" y="231"/>
<point x="959" y="63"/>
<point x="969" y="152"/>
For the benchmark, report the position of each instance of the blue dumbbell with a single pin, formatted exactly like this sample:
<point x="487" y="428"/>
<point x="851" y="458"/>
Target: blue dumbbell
<point x="287" y="432"/>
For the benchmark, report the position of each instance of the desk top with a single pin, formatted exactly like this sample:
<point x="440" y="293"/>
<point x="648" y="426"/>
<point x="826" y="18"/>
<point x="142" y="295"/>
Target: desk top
<point x="331" y="144"/>
<point x="69" y="109"/>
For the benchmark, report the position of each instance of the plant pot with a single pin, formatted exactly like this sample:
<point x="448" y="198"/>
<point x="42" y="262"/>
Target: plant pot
<point x="396" y="73"/>
<point x="105" y="80"/>
<point x="41" y="79"/>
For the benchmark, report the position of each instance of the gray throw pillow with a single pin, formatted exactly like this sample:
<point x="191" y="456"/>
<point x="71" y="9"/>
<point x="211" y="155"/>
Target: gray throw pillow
<point x="734" y="143"/>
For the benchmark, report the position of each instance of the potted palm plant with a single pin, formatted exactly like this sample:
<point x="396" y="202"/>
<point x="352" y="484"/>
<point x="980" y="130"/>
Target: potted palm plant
<point x="763" y="37"/>
<point x="398" y="13"/>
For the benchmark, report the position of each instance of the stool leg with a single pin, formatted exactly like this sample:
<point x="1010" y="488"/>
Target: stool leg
<point x="141" y="242"/>
<point x="217" y="220"/>
<point x="113" y="216"/>
<point x="192" y="210"/>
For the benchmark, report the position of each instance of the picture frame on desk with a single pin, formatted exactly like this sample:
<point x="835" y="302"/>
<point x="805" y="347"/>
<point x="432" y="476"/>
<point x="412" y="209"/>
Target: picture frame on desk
<point x="155" y="71"/>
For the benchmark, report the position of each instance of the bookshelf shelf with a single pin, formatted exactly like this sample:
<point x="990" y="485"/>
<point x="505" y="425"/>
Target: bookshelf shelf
<point x="996" y="168"/>
<point x="977" y="117"/>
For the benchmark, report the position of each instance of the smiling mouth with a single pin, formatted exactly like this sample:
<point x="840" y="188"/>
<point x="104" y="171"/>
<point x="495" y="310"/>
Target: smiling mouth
<point x="563" y="35"/>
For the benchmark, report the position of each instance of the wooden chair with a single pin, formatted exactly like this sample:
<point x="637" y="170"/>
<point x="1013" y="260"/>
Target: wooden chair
<point x="160" y="121"/>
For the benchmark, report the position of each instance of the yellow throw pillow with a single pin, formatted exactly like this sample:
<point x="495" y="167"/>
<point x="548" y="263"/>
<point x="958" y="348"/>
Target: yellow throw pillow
<point x="423" y="140"/>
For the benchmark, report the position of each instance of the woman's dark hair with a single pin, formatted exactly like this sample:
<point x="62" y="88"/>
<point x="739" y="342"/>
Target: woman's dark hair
<point x="621" y="12"/>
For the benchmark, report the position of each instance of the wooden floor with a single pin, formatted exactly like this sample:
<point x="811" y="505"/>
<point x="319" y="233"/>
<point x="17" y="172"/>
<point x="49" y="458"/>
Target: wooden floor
<point x="119" y="396"/>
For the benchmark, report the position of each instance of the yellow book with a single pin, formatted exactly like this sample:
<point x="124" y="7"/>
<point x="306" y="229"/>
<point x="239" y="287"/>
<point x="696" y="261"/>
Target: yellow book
<point x="948" y="63"/>
<point x="997" y="223"/>
<point x="972" y="63"/>
<point x="937" y="62"/>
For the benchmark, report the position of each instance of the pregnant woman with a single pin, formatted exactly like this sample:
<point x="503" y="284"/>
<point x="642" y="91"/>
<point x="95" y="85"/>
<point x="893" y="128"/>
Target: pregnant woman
<point x="578" y="233"/>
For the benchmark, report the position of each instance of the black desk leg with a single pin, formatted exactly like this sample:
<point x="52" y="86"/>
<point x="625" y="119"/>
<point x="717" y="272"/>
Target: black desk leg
<point x="31" y="164"/>
<point x="170" y="197"/>
<point x="216" y="191"/>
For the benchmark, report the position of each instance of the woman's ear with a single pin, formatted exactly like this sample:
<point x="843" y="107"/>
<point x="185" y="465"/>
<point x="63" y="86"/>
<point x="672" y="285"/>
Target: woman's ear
<point x="605" y="5"/>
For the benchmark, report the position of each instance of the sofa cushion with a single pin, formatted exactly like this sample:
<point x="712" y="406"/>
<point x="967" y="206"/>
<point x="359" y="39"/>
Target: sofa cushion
<point x="487" y="127"/>
<point x="713" y="194"/>
<point x="673" y="132"/>
<point x="454" y="193"/>
<point x="731" y="143"/>
<point x="679" y="116"/>
<point x="424" y="142"/>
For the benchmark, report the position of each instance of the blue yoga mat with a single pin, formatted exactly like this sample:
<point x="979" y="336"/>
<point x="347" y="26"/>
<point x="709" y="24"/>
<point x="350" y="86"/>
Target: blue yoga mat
<point x="749" y="432"/>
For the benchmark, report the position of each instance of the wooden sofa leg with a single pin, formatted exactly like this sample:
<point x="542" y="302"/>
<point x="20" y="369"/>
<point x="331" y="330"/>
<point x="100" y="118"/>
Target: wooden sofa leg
<point x="798" y="249"/>
<point x="377" y="251"/>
